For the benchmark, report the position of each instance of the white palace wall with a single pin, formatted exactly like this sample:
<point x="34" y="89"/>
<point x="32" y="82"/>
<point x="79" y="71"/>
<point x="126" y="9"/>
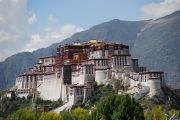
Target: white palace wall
<point x="101" y="76"/>
<point x="50" y="88"/>
<point x="155" y="87"/>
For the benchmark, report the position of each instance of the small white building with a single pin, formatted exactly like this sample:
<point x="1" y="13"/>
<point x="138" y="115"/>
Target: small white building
<point x="153" y="79"/>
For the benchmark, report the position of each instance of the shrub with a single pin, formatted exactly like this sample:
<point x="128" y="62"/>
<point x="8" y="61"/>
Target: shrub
<point x="80" y="114"/>
<point x="66" y="115"/>
<point x="50" y="116"/>
<point x="22" y="114"/>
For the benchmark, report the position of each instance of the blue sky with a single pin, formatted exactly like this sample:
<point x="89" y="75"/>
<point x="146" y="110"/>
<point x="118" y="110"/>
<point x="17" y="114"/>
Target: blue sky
<point x="87" y="13"/>
<point x="27" y="25"/>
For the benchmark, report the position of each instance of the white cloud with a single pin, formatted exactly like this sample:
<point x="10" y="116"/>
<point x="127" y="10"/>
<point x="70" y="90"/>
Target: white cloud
<point x="51" y="35"/>
<point x="4" y="36"/>
<point x="35" y="41"/>
<point x="13" y="26"/>
<point x="14" y="22"/>
<point x="157" y="10"/>
<point x="32" y="18"/>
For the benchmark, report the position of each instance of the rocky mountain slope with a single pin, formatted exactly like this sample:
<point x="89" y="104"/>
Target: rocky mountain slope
<point x="155" y="42"/>
<point x="158" y="46"/>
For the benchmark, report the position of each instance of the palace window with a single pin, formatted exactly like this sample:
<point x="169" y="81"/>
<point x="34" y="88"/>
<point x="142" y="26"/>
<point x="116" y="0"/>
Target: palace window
<point x="27" y="82"/>
<point x="120" y="60"/>
<point x="47" y="60"/>
<point x="125" y="60"/>
<point x="71" y="92"/>
<point x="115" y="61"/>
<point x="87" y="69"/>
<point x="98" y="62"/>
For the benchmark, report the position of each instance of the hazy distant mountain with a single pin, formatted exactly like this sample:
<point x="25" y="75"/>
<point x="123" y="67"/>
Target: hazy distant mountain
<point x="156" y="42"/>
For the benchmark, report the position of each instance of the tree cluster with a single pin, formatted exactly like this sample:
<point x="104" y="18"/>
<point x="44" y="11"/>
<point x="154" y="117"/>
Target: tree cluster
<point x="118" y="107"/>
<point x="10" y="105"/>
<point x="28" y="114"/>
<point x="159" y="113"/>
<point x="112" y="107"/>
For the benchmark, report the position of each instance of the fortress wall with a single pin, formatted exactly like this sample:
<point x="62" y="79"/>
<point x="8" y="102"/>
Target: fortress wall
<point x="50" y="88"/>
<point x="18" y="83"/>
<point x="23" y="95"/>
<point x="75" y="78"/>
<point x="155" y="87"/>
<point x="81" y="79"/>
<point x="100" y="76"/>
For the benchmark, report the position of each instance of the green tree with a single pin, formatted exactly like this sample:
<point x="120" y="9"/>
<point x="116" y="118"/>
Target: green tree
<point x="115" y="107"/>
<point x="117" y="84"/>
<point x="66" y="115"/>
<point x="50" y="116"/>
<point x="41" y="101"/>
<point x="22" y="114"/>
<point x="80" y="114"/>
<point x="51" y="104"/>
<point x="174" y="111"/>
<point x="55" y="104"/>
<point x="100" y="93"/>
<point x="158" y="112"/>
<point x="148" y="114"/>
<point x="8" y="106"/>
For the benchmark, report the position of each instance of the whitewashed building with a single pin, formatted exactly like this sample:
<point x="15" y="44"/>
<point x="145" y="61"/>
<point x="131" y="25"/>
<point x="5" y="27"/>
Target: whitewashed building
<point x="71" y="73"/>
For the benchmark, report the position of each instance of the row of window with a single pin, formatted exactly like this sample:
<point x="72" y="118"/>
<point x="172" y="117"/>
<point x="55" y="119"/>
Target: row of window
<point x="48" y="69"/>
<point x="49" y="60"/>
<point x="145" y="78"/>
<point x="27" y="84"/>
<point x="101" y="62"/>
<point x="89" y="69"/>
<point x="153" y="75"/>
<point x="78" y="91"/>
<point x="22" y="91"/>
<point x="120" y="60"/>
<point x="21" y="80"/>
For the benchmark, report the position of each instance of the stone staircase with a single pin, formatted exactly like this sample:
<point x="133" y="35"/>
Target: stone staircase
<point x="65" y="106"/>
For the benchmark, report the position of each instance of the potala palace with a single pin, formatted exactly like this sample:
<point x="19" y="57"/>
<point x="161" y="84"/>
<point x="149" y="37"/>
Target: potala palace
<point x="71" y="74"/>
